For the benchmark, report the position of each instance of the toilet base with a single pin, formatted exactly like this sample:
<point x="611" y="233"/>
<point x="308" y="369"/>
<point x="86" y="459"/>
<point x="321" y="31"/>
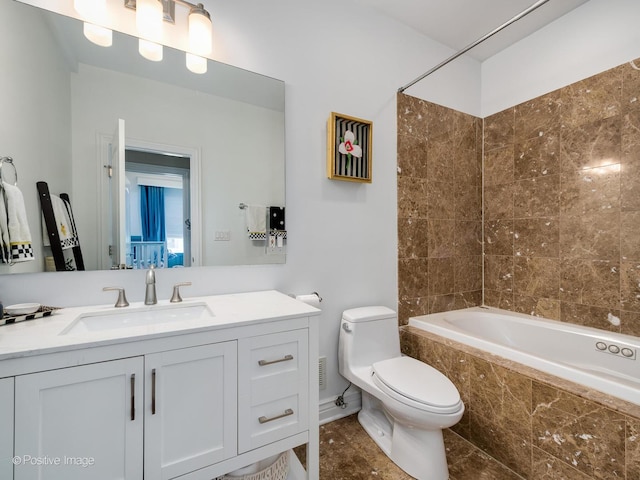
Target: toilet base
<point x="418" y="452"/>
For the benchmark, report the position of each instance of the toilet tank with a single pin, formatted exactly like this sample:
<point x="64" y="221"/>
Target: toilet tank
<point x="367" y="335"/>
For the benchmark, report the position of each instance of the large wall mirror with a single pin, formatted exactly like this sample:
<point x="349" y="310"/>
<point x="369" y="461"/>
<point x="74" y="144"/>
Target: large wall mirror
<point x="210" y="142"/>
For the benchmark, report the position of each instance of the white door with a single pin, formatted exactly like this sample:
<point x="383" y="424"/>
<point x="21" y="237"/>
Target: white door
<point x="6" y="427"/>
<point x="190" y="409"/>
<point x="81" y="422"/>
<point x="118" y="249"/>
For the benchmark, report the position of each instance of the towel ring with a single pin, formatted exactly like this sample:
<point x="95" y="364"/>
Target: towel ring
<point x="8" y="161"/>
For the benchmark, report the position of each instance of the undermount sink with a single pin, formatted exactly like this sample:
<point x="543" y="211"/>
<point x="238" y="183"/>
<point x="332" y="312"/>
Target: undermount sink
<point x="129" y="317"/>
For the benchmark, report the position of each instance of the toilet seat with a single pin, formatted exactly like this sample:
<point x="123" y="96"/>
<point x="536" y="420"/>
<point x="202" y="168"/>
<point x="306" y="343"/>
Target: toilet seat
<point x="416" y="384"/>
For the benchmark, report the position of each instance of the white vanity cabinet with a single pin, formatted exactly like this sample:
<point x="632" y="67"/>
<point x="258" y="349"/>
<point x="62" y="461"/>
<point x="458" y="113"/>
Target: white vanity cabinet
<point x="80" y="422"/>
<point x="6" y="427"/>
<point x="91" y="418"/>
<point x="189" y="402"/>
<point x="190" y="409"/>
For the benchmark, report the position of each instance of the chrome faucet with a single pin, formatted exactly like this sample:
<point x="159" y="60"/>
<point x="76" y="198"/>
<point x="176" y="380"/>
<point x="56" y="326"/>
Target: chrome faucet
<point x="150" y="280"/>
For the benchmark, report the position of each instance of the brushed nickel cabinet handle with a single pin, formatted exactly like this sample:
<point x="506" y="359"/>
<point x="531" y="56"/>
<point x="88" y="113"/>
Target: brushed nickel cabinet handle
<point x="286" y="413"/>
<point x="153" y="391"/>
<point x="286" y="358"/>
<point x="133" y="397"/>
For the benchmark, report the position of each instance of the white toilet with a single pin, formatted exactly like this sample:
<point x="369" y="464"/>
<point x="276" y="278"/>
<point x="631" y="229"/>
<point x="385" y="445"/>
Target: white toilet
<point x="405" y="402"/>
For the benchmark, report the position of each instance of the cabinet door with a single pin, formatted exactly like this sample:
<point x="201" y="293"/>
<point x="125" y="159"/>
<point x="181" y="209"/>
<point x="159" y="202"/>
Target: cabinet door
<point x="80" y="422"/>
<point x="6" y="427"/>
<point x="190" y="409"/>
<point x="273" y="388"/>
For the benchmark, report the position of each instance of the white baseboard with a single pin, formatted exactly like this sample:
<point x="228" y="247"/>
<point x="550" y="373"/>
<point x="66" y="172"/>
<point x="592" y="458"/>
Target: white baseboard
<point x="329" y="411"/>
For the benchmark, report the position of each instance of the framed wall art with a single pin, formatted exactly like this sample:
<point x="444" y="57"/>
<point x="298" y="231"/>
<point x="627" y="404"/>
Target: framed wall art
<point x="349" y="141"/>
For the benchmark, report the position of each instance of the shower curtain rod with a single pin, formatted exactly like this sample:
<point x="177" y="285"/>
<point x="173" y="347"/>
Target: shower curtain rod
<point x="474" y="44"/>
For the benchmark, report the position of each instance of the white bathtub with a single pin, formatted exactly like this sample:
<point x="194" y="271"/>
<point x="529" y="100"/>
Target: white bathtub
<point x="580" y="354"/>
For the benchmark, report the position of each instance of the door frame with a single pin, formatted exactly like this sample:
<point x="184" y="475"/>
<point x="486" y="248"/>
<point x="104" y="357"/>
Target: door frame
<point x="104" y="141"/>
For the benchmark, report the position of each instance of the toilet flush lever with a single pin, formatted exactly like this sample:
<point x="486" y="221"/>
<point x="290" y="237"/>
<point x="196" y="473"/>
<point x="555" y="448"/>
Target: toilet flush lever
<point x="346" y="327"/>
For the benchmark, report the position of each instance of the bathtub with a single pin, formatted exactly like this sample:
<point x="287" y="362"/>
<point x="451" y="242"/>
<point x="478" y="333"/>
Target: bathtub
<point x="594" y="358"/>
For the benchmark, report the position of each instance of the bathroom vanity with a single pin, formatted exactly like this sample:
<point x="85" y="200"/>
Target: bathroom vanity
<point x="191" y="390"/>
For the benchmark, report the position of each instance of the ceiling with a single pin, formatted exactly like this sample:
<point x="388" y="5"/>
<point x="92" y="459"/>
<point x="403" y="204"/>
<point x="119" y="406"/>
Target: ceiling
<point x="458" y="23"/>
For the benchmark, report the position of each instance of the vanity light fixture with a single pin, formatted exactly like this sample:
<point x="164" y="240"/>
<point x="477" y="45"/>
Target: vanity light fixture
<point x="149" y="17"/>
<point x="94" y="10"/>
<point x="200" y="30"/>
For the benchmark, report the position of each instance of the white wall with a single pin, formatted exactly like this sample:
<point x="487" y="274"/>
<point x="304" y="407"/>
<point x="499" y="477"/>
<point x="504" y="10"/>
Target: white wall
<point x="597" y="36"/>
<point x="333" y="56"/>
<point x="34" y="125"/>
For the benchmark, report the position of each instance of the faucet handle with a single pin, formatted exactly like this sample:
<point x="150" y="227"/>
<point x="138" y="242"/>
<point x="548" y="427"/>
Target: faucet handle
<point x="122" y="298"/>
<point x="176" y="298"/>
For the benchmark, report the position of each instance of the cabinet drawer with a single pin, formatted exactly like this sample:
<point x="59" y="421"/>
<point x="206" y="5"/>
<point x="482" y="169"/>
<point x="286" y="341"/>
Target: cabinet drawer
<point x="273" y="388"/>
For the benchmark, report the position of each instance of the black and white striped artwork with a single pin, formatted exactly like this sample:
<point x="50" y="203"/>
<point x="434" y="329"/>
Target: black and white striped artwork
<point x="349" y="149"/>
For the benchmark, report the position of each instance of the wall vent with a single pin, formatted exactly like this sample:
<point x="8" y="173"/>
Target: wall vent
<point x="322" y="372"/>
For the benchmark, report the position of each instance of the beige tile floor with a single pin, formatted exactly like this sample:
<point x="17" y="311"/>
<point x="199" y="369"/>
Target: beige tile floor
<point x="347" y="453"/>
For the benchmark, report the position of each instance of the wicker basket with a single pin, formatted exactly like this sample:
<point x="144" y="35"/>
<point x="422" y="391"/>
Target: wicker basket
<point x="278" y="470"/>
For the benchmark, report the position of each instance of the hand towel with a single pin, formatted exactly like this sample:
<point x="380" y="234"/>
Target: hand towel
<point x="276" y="219"/>
<point x="66" y="228"/>
<point x="19" y="233"/>
<point x="256" y="217"/>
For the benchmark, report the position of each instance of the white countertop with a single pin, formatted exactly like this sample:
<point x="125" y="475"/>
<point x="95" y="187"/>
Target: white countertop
<point x="45" y="335"/>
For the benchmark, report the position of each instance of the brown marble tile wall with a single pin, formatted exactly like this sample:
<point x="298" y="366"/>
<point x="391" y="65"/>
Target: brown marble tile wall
<point x="561" y="240"/>
<point x="537" y="429"/>
<point x="439" y="208"/>
<point x="562" y="203"/>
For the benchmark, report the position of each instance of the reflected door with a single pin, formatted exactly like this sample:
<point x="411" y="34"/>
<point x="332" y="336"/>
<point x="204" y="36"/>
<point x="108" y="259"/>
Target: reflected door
<point x="117" y="245"/>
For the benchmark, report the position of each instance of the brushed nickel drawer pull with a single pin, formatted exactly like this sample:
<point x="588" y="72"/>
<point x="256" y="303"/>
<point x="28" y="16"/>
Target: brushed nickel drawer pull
<point x="286" y="413"/>
<point x="133" y="397"/>
<point x="286" y="358"/>
<point x="153" y="391"/>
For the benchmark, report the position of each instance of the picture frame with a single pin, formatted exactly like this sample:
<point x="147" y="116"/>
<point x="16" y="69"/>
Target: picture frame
<point x="349" y="148"/>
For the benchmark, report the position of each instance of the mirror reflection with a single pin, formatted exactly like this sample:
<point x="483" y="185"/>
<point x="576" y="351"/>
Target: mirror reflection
<point x="112" y="130"/>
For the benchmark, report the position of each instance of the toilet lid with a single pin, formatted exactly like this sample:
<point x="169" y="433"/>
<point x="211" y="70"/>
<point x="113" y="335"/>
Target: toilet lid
<point x="417" y="381"/>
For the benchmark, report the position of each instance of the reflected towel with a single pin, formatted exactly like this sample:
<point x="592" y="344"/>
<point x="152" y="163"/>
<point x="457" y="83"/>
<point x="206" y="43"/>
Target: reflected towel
<point x="256" y="217"/>
<point x="66" y="227"/>
<point x="17" y="225"/>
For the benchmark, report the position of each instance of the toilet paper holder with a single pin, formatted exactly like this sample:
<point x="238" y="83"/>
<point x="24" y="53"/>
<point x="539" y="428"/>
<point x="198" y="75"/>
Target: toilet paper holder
<point x="303" y="295"/>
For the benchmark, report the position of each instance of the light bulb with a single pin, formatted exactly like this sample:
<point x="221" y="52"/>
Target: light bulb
<point x="149" y="50"/>
<point x="196" y="64"/>
<point x="98" y="35"/>
<point x="149" y="18"/>
<point x="200" y="31"/>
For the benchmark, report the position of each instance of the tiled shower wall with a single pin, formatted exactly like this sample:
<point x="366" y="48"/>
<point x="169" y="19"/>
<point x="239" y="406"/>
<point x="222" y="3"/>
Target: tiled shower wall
<point x="439" y="208"/>
<point x="561" y="205"/>
<point x="561" y="240"/>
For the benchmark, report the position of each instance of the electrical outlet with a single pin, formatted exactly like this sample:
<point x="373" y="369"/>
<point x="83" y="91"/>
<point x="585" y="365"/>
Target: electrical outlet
<point x="322" y="372"/>
<point x="222" y="236"/>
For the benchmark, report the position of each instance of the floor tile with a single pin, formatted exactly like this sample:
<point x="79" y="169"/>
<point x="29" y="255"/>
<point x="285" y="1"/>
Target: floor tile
<point x="348" y="453"/>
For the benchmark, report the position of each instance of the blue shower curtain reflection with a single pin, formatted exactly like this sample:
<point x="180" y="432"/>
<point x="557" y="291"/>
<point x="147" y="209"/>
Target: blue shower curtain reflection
<point x="152" y="213"/>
